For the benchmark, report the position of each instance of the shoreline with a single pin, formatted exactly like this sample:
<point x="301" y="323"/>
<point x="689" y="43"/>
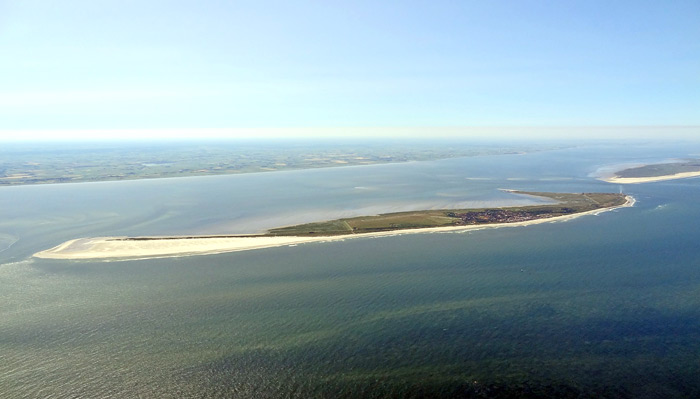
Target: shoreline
<point x="118" y="248"/>
<point x="650" y="179"/>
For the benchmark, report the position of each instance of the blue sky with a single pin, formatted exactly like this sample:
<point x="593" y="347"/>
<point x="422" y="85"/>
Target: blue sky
<point x="99" y="65"/>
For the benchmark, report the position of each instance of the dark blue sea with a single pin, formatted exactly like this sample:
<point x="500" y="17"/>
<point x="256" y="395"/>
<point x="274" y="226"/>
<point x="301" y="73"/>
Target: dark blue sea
<point x="604" y="306"/>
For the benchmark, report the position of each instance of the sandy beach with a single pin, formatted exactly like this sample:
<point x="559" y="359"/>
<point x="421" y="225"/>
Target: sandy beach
<point x="637" y="180"/>
<point x="120" y="248"/>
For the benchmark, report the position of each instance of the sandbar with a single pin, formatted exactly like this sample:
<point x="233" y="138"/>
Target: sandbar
<point x="637" y="180"/>
<point x="124" y="248"/>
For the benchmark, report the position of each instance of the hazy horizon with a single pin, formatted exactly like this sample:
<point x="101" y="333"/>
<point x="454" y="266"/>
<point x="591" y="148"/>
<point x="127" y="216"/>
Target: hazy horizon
<point x="495" y="133"/>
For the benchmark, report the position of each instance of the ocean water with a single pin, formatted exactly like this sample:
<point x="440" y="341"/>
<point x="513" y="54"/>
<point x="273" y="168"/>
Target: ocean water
<point x="601" y="306"/>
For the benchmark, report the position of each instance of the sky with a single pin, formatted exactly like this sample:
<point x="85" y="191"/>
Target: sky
<point x="148" y="67"/>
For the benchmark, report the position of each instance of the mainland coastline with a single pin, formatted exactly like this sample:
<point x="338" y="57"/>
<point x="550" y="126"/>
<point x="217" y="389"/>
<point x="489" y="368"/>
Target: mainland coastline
<point x="133" y="248"/>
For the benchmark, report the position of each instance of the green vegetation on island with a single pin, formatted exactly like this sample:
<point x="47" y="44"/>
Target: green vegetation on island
<point x="566" y="204"/>
<point x="661" y="169"/>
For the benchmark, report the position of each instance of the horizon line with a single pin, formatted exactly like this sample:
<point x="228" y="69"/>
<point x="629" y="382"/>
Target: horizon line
<point x="358" y="132"/>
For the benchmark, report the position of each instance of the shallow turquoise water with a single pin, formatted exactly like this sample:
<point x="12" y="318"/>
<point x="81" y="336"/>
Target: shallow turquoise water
<point x="603" y="306"/>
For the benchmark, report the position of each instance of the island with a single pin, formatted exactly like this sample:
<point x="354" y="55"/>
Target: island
<point x="562" y="206"/>
<point x="656" y="172"/>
